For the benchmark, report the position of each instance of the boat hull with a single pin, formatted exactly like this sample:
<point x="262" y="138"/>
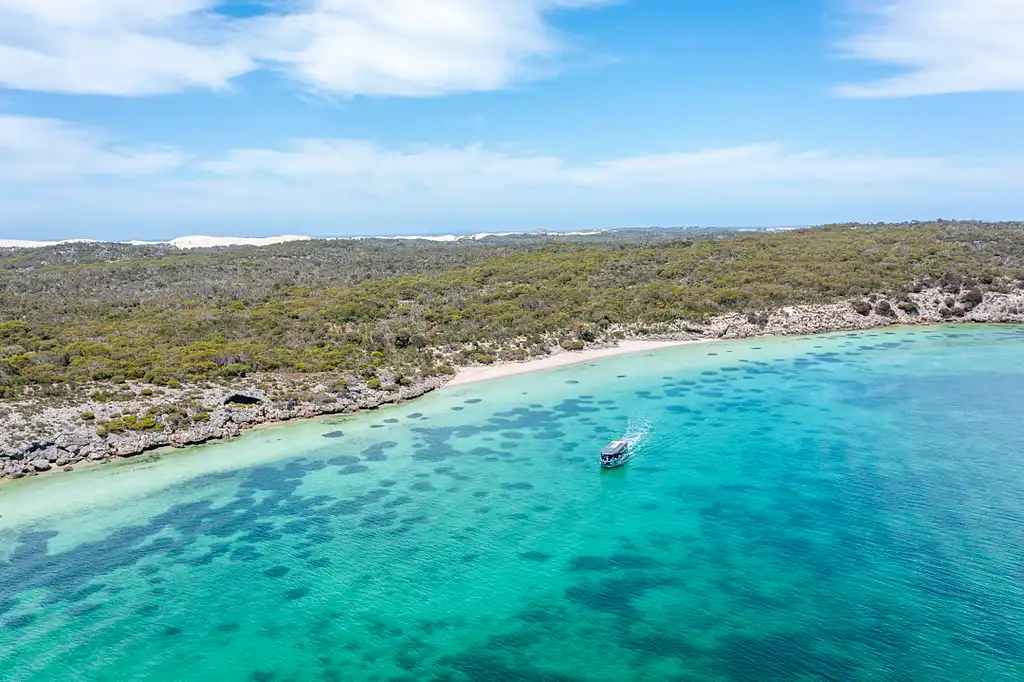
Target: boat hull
<point x="613" y="464"/>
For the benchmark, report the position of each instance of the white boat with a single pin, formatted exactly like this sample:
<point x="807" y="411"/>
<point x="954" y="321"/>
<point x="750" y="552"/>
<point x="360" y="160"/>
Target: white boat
<point x="614" y="454"/>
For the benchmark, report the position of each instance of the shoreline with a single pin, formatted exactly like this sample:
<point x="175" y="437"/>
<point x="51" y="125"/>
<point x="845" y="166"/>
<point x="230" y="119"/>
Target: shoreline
<point x="477" y="373"/>
<point x="466" y="376"/>
<point x="66" y="439"/>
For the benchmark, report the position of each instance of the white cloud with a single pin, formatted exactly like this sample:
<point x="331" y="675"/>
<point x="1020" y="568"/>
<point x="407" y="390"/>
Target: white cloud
<point x="116" y="47"/>
<point x="410" y="47"/>
<point x="405" y="47"/>
<point x="346" y="47"/>
<point x="42" y="148"/>
<point x="37" y="149"/>
<point x="355" y="187"/>
<point x="353" y="164"/>
<point x="940" y="46"/>
<point x="363" y="164"/>
<point x="54" y="173"/>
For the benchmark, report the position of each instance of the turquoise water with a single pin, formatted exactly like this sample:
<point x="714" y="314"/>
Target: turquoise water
<point x="845" y="507"/>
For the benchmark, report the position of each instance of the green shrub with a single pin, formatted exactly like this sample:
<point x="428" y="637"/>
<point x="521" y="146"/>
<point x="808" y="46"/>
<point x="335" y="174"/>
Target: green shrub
<point x="82" y="313"/>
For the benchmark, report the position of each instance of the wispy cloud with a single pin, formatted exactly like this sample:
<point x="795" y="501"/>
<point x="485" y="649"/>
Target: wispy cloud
<point x="345" y="47"/>
<point x="940" y="46"/>
<point x="43" y="149"/>
<point x="34" y="149"/>
<point x="361" y="165"/>
<point x="52" y="170"/>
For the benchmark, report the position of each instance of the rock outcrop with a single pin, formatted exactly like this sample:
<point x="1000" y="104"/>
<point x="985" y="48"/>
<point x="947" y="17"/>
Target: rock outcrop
<point x="930" y="306"/>
<point x="36" y="438"/>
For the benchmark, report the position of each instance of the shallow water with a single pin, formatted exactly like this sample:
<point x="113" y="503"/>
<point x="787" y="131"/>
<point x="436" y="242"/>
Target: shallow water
<point x="845" y="507"/>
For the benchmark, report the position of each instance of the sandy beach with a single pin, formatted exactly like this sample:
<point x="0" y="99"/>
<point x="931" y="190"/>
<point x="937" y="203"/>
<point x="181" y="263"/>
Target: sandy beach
<point x="472" y="375"/>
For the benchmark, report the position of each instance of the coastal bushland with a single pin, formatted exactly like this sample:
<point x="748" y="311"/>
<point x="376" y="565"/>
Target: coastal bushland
<point x="75" y="314"/>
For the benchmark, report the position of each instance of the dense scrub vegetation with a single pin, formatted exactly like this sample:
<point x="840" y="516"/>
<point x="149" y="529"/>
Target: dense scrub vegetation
<point x="74" y="314"/>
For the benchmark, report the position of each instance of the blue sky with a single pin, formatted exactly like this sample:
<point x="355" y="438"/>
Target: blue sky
<point x="129" y="120"/>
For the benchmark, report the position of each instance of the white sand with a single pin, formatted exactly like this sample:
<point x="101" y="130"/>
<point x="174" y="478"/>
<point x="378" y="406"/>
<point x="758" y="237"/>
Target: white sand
<point x="471" y="375"/>
<point x="189" y="242"/>
<point x="205" y="242"/>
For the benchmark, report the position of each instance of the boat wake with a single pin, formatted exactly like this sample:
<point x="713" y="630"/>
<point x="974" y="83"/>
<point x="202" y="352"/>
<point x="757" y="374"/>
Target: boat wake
<point x="637" y="431"/>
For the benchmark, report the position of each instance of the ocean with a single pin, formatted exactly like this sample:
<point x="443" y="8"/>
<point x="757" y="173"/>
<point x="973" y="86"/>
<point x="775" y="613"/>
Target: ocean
<point x="839" y="507"/>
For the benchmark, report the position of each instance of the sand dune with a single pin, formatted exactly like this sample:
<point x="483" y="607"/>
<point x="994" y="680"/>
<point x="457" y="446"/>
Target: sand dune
<point x="206" y="242"/>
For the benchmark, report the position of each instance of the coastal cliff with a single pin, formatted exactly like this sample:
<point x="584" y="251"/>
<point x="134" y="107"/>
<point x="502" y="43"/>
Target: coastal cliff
<point x="37" y="437"/>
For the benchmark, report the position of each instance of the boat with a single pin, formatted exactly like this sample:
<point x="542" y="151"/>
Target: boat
<point x="614" y="454"/>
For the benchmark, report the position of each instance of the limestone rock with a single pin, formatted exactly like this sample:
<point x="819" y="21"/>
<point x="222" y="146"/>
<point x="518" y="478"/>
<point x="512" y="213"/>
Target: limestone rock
<point x="72" y="441"/>
<point x="13" y="469"/>
<point x="50" y="453"/>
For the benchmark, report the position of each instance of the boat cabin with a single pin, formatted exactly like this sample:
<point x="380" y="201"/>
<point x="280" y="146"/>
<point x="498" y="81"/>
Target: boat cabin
<point x="614" y="454"/>
<point x="616" y="448"/>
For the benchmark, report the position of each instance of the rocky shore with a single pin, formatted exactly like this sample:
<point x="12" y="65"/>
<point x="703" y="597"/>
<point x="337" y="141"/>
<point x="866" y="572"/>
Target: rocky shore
<point x="928" y="306"/>
<point x="38" y="437"/>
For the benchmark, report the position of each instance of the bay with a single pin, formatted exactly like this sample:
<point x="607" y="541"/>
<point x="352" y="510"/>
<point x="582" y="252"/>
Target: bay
<point x="839" y="507"/>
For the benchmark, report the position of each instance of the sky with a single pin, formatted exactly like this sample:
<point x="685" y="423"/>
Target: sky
<point x="122" y="119"/>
